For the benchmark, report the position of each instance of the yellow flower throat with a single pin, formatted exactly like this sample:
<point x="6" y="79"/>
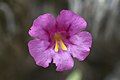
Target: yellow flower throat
<point x="59" y="43"/>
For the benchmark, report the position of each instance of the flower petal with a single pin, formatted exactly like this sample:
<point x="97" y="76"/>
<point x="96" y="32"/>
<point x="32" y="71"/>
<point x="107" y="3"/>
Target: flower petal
<point x="63" y="61"/>
<point x="40" y="53"/>
<point x="70" y="21"/>
<point x="41" y="25"/>
<point x="82" y="43"/>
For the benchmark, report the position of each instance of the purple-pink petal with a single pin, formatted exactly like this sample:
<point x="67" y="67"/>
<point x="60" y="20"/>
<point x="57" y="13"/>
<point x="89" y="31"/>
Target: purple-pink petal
<point x="41" y="25"/>
<point x="70" y="21"/>
<point x="63" y="61"/>
<point x="40" y="53"/>
<point x="81" y="45"/>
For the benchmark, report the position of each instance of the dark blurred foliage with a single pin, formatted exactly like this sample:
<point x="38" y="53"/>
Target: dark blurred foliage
<point x="16" y="17"/>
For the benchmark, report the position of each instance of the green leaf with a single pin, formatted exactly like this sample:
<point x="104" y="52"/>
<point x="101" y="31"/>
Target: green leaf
<point x="75" y="75"/>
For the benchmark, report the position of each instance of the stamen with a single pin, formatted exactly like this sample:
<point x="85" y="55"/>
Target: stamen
<point x="56" y="46"/>
<point x="59" y="42"/>
<point x="63" y="45"/>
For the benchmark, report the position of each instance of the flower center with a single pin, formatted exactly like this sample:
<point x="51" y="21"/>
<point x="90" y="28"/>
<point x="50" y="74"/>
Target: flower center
<point x="59" y="43"/>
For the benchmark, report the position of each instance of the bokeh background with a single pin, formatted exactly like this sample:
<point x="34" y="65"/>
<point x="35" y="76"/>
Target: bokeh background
<point x="103" y="17"/>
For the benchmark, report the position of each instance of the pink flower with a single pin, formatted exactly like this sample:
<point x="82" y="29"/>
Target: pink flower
<point x="59" y="40"/>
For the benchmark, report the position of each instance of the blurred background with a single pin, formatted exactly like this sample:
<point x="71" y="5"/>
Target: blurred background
<point x="103" y="17"/>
